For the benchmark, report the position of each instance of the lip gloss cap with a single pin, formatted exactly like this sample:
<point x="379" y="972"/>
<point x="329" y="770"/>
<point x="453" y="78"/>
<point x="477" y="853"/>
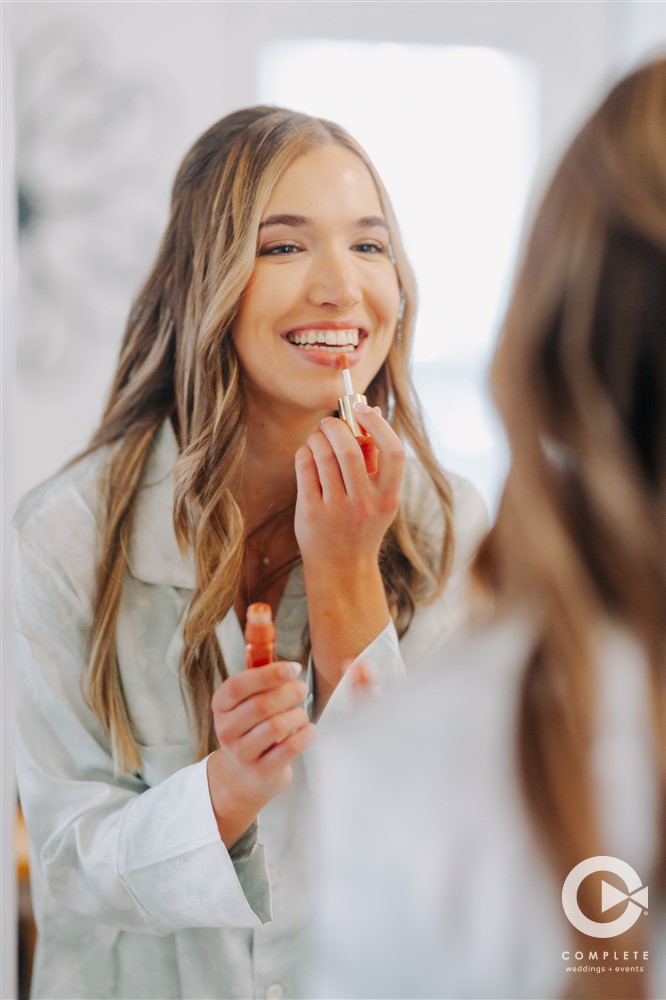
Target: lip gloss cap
<point x="346" y="411"/>
<point x="259" y="625"/>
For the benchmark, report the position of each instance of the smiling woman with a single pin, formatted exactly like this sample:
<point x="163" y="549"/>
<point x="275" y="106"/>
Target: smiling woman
<point x="221" y="475"/>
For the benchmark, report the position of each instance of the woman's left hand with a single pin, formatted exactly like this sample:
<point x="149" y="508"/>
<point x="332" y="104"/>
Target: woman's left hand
<point x="342" y="512"/>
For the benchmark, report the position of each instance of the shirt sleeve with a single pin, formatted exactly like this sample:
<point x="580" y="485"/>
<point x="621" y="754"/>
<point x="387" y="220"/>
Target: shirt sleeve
<point x="382" y="662"/>
<point x="142" y="859"/>
<point x="388" y="659"/>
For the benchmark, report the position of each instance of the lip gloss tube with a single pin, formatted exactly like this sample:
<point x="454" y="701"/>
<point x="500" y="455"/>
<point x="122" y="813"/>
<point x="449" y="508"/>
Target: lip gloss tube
<point x="346" y="411"/>
<point x="259" y="636"/>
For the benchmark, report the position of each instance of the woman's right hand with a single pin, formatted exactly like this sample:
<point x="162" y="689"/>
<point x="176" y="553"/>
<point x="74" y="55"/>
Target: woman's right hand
<point x="261" y="726"/>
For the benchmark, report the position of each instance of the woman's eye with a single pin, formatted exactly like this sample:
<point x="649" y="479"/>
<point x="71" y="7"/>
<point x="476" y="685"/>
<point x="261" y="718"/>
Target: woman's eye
<point x="369" y="248"/>
<point x="278" y="249"/>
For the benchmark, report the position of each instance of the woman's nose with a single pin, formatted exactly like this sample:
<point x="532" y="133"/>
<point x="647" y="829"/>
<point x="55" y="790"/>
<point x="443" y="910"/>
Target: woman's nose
<point x="333" y="281"/>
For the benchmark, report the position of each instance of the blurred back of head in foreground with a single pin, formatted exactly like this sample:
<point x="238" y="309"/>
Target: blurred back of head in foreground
<point x="579" y="377"/>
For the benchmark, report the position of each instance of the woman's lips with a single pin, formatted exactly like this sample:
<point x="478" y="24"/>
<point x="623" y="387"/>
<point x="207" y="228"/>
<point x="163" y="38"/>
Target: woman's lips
<point x="324" y="346"/>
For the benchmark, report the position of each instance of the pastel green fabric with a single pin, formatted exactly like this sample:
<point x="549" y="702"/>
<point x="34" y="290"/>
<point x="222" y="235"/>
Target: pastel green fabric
<point x="134" y="893"/>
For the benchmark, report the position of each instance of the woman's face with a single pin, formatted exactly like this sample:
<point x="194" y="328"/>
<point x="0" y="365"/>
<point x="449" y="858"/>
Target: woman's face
<point x="323" y="284"/>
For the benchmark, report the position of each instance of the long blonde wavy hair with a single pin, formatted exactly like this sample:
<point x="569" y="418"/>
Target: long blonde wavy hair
<point x="178" y="361"/>
<point x="579" y="377"/>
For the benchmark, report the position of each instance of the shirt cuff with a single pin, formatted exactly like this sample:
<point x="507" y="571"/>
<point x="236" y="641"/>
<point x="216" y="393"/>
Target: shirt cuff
<point x="382" y="662"/>
<point x="175" y="866"/>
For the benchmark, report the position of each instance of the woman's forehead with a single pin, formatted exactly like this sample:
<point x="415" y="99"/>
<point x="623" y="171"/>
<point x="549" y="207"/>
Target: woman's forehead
<point x="324" y="180"/>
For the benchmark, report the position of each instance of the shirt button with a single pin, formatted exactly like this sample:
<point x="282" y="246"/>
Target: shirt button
<point x="274" y="992"/>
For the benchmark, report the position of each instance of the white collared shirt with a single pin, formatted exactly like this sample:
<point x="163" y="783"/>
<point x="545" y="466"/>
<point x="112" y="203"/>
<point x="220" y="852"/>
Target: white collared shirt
<point x="134" y="893"/>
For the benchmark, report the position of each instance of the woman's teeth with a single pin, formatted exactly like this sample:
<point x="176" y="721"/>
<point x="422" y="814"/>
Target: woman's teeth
<point x="335" y="340"/>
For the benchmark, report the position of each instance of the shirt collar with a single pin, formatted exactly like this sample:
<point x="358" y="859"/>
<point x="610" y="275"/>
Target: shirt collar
<point x="154" y="555"/>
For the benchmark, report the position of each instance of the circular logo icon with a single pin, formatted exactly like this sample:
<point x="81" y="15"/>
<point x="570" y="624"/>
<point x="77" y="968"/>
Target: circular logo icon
<point x="635" y="898"/>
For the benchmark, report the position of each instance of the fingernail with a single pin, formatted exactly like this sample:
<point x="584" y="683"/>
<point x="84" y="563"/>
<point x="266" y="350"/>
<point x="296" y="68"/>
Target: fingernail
<point x="292" y="669"/>
<point x="362" y="408"/>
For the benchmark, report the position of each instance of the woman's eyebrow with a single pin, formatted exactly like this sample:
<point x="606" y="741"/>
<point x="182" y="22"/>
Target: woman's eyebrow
<point x="285" y="220"/>
<point x="367" y="222"/>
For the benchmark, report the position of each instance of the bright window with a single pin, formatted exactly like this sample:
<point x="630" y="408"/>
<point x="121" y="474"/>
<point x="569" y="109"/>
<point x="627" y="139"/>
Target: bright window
<point x="452" y="131"/>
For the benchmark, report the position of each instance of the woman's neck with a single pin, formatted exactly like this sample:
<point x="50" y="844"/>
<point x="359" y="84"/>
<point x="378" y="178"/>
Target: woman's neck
<point x="267" y="479"/>
<point x="265" y="490"/>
